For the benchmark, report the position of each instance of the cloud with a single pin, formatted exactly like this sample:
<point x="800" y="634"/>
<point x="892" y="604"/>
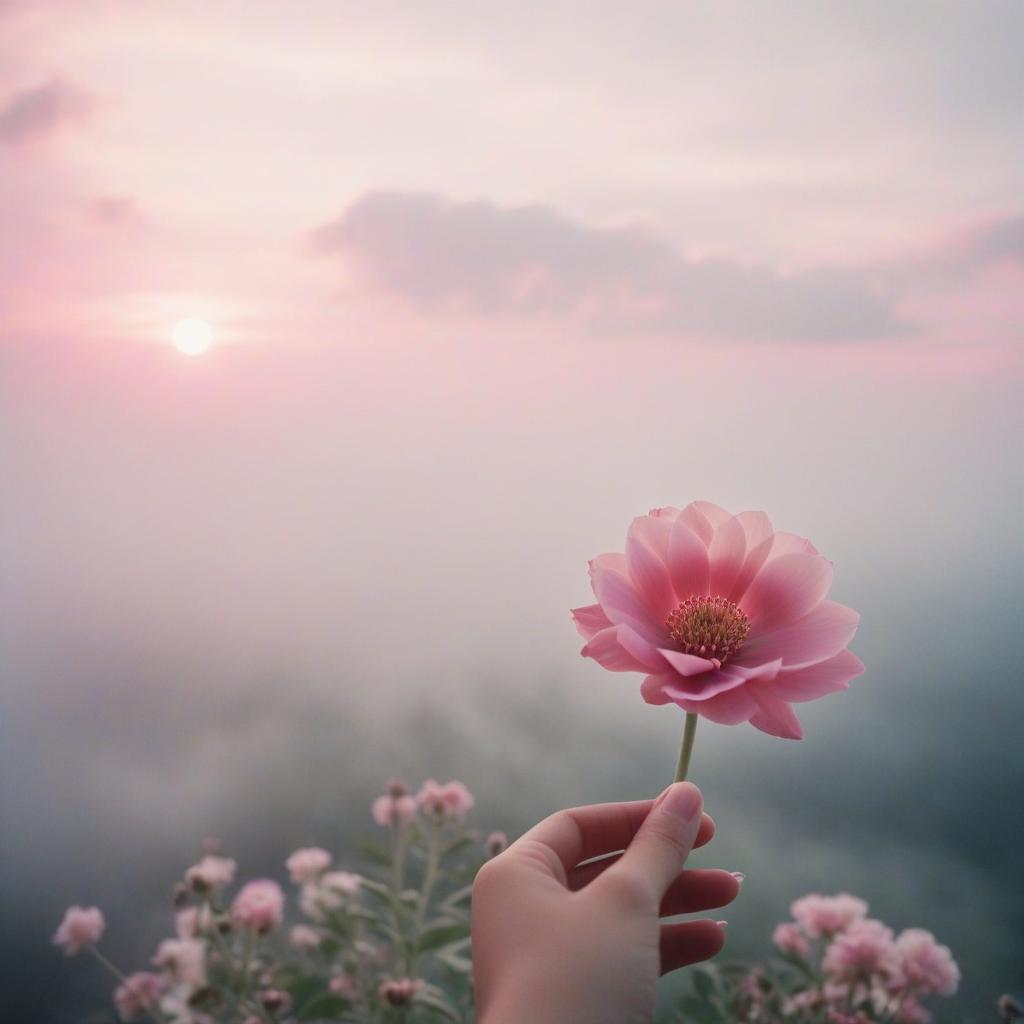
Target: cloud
<point x="480" y="258"/>
<point x="36" y="114"/>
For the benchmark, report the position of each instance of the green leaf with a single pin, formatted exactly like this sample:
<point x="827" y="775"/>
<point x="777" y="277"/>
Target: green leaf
<point x="457" y="897"/>
<point x="455" y="845"/>
<point x="703" y="983"/>
<point x="442" y="935"/>
<point x="433" y="999"/>
<point x="327" y="1004"/>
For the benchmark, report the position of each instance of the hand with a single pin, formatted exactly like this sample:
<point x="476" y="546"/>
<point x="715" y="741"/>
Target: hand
<point x="558" y="940"/>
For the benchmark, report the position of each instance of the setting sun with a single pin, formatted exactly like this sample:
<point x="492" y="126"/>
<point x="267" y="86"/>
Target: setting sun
<point x="192" y="336"/>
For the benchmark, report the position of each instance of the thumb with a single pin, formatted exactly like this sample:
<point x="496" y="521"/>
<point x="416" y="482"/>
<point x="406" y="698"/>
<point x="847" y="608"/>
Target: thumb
<point x="663" y="842"/>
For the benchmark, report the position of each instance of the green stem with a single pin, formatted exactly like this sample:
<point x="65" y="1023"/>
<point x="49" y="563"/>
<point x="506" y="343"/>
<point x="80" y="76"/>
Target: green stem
<point x="687" y="748"/>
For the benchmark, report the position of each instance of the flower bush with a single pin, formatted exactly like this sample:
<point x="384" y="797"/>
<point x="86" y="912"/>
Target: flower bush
<point x="392" y="943"/>
<point x="837" y="966"/>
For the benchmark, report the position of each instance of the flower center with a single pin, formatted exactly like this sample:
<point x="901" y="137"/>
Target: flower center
<point x="710" y="627"/>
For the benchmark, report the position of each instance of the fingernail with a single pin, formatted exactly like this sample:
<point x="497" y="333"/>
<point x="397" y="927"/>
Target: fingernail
<point x="722" y="924"/>
<point x="739" y="876"/>
<point x="683" y="800"/>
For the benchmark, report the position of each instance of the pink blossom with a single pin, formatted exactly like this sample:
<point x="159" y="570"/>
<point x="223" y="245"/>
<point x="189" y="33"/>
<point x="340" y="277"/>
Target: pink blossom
<point x="724" y="616"/>
<point x="305" y="938"/>
<point x="81" y="926"/>
<point x="495" y="843"/>
<point x="823" y="916"/>
<point x="450" y="800"/>
<point x="398" y="992"/>
<point x="259" y="906"/>
<point x="308" y="864"/>
<point x="926" y="967"/>
<point x="390" y="810"/>
<point x="275" y="1000"/>
<point x="212" y="872"/>
<point x="789" y="939"/>
<point x="342" y="983"/>
<point x="912" y="1012"/>
<point x="138" y="993"/>
<point x="333" y="890"/>
<point x="183" y="960"/>
<point x="864" y="950"/>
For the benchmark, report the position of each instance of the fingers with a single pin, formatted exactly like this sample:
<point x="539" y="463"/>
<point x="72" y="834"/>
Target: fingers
<point x="661" y="845"/>
<point x="689" y="943"/>
<point x="580" y="833"/>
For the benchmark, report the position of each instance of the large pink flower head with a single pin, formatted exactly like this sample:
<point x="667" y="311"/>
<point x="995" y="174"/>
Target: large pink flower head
<point x="725" y="616"/>
<point x="823" y="916"/>
<point x="137" y="993"/>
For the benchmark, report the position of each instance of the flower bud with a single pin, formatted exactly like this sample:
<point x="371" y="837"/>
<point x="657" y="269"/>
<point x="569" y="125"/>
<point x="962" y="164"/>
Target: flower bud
<point x="1009" y="1009"/>
<point x="495" y="843"/>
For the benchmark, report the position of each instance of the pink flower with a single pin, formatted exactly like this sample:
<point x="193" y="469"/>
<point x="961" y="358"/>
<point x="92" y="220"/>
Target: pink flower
<point x="138" y="993"/>
<point x="210" y="873"/>
<point x="789" y="939"/>
<point x="926" y="967"/>
<point x="400" y="991"/>
<point x="81" y="926"/>
<point x="864" y="950"/>
<point x="823" y="916"/>
<point x="331" y="891"/>
<point x="451" y="800"/>
<point x="912" y="1012"/>
<point x="183" y="960"/>
<point x="390" y="810"/>
<point x="259" y="906"/>
<point x="726" y="617"/>
<point x="305" y="938"/>
<point x="308" y="864"/>
<point x="495" y="843"/>
<point x="342" y="983"/>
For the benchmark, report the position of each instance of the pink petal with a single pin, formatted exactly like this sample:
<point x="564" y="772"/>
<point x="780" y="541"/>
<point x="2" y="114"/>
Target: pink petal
<point x="589" y="620"/>
<point x="791" y="544"/>
<point x="703" y="687"/>
<point x="775" y="716"/>
<point x="649" y="573"/>
<point x="766" y="671"/>
<point x="652" y="688"/>
<point x="759" y="545"/>
<point x="688" y="664"/>
<point x="606" y="650"/>
<point x="817" y="680"/>
<point x="621" y="603"/>
<point x="613" y="560"/>
<point x="697" y="521"/>
<point x="820" y="634"/>
<point x="786" y="589"/>
<point x="687" y="562"/>
<point x="634" y="644"/>
<point x="655" y="530"/>
<point x="729" y="708"/>
<point x="725" y="556"/>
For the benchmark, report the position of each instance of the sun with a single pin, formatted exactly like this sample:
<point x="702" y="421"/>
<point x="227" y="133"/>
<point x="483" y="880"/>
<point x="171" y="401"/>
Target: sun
<point x="192" y="336"/>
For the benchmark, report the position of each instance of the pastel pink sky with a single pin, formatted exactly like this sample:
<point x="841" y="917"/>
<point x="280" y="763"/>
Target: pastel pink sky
<point x="698" y="173"/>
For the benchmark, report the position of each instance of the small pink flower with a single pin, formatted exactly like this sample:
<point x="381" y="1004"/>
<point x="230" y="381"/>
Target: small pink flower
<point x="81" y="926"/>
<point x="912" y="1012"/>
<point x="305" y="938"/>
<point x="259" y="906"/>
<point x="399" y="992"/>
<point x="926" y="967"/>
<point x="823" y="916"/>
<point x="789" y="939"/>
<point x="332" y="891"/>
<point x="211" y="873"/>
<point x="342" y="983"/>
<point x="183" y="960"/>
<point x="388" y="810"/>
<point x="495" y="843"/>
<point x="451" y="800"/>
<point x="139" y="992"/>
<point x="308" y="864"/>
<point x="275" y="1000"/>
<point x="724" y="616"/>
<point x="864" y="950"/>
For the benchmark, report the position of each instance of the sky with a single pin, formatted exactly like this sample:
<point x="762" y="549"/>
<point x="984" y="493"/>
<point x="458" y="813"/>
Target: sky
<point x="484" y="282"/>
